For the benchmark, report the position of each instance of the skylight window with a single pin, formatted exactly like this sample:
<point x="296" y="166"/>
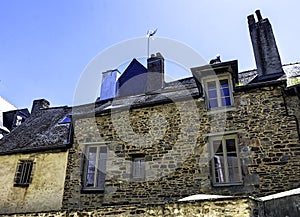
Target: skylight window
<point x="66" y="120"/>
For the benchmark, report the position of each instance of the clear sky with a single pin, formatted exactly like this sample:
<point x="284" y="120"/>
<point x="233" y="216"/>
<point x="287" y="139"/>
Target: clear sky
<point x="46" y="45"/>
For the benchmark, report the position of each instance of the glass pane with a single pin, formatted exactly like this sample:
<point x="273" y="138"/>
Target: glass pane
<point x="213" y="103"/>
<point x="101" y="179"/>
<point x="234" y="174"/>
<point x="211" y="85"/>
<point x="226" y="101"/>
<point x="219" y="169"/>
<point x="212" y="94"/>
<point x="138" y="168"/>
<point x="230" y="147"/>
<point x="224" y="83"/>
<point x="217" y="146"/>
<point x="91" y="166"/>
<point x="101" y="170"/>
<point x="225" y="92"/>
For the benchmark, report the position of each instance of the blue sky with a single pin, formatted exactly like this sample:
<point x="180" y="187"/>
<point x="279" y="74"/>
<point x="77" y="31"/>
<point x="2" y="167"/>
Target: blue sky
<point x="46" y="45"/>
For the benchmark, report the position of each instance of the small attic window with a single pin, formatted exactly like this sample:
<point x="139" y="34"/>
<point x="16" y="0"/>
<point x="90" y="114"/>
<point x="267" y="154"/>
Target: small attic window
<point x="66" y="120"/>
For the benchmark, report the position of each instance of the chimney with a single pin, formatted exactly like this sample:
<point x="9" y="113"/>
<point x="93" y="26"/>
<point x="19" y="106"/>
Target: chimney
<point x="266" y="54"/>
<point x="155" y="73"/>
<point x="39" y="104"/>
<point x="109" y="84"/>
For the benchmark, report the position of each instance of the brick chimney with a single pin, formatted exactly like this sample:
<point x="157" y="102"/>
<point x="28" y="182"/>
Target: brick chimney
<point x="155" y="73"/>
<point x="39" y="104"/>
<point x="266" y="54"/>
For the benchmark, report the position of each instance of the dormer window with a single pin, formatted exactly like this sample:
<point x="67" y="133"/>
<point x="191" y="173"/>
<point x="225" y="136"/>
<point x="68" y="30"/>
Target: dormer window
<point x="218" y="91"/>
<point x="216" y="83"/>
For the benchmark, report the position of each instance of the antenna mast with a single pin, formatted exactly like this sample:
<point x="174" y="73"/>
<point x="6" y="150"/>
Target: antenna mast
<point x="149" y="35"/>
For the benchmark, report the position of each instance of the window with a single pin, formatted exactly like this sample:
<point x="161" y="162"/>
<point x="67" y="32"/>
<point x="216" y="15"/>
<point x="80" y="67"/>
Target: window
<point x="138" y="168"/>
<point x="23" y="176"/>
<point x="95" y="167"/>
<point x="218" y="92"/>
<point x="226" y="167"/>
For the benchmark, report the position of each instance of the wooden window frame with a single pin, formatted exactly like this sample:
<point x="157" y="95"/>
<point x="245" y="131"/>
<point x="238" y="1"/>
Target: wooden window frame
<point x="226" y="175"/>
<point x="95" y="186"/>
<point x="217" y="79"/>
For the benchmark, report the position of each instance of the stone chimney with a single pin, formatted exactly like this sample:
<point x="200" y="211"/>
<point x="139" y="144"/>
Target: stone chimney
<point x="155" y="73"/>
<point x="39" y="104"/>
<point x="109" y="84"/>
<point x="266" y="54"/>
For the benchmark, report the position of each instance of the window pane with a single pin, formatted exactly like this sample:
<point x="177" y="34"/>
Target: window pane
<point x="230" y="146"/>
<point x="212" y="94"/>
<point x="138" y="168"/>
<point x="91" y="166"/>
<point x="213" y="103"/>
<point x="226" y="101"/>
<point x="101" y="172"/>
<point x="219" y="168"/>
<point x="233" y="170"/>
<point x="224" y="83"/>
<point x="225" y="92"/>
<point x="211" y="85"/>
<point x="232" y="160"/>
<point x="217" y="146"/>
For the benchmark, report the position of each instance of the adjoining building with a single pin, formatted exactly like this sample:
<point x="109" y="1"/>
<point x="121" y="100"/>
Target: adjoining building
<point x="33" y="160"/>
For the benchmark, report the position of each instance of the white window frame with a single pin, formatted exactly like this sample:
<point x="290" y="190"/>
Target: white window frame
<point x="97" y="170"/>
<point x="226" y="175"/>
<point x="217" y="79"/>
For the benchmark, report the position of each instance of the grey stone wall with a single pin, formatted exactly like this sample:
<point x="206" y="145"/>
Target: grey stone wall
<point x="174" y="140"/>
<point x="230" y="208"/>
<point x="285" y="206"/>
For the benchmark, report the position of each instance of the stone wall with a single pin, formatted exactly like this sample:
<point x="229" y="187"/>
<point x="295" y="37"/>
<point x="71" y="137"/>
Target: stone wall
<point x="46" y="190"/>
<point x="286" y="206"/>
<point x="173" y="138"/>
<point x="215" y="208"/>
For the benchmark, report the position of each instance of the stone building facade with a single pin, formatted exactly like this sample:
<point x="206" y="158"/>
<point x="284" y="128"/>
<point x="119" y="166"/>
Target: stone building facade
<point x="227" y="137"/>
<point x="180" y="161"/>
<point x="218" y="132"/>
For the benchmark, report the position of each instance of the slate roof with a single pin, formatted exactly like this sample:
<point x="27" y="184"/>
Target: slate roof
<point x="173" y="91"/>
<point x="290" y="70"/>
<point x="40" y="132"/>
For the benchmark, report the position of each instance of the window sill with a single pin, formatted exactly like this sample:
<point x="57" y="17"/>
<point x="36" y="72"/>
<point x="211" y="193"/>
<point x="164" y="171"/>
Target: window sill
<point x="227" y="184"/>
<point x="138" y="179"/>
<point x="220" y="110"/>
<point x="21" y="185"/>
<point x="91" y="191"/>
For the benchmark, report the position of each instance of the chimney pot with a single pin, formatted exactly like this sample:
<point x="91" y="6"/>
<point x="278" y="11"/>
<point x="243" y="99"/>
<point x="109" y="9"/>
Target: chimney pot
<point x="251" y="19"/>
<point x="39" y="104"/>
<point x="258" y="14"/>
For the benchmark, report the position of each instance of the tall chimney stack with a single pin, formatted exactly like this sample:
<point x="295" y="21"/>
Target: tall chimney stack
<point x="155" y="73"/>
<point x="266" y="53"/>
